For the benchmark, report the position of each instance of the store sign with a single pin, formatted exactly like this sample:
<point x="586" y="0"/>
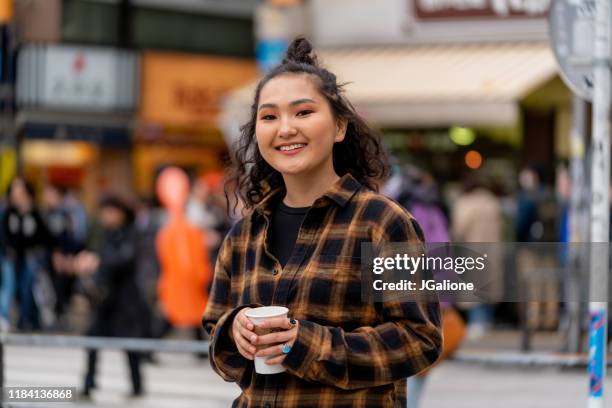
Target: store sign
<point x="80" y="78"/>
<point x="491" y="9"/>
<point x="186" y="90"/>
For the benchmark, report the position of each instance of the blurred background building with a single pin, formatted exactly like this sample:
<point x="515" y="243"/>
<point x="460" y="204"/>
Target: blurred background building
<point x="108" y="92"/>
<point x="455" y="89"/>
<point x="99" y="96"/>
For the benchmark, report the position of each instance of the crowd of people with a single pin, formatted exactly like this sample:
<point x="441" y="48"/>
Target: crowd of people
<point x="52" y="251"/>
<point x="51" y="247"/>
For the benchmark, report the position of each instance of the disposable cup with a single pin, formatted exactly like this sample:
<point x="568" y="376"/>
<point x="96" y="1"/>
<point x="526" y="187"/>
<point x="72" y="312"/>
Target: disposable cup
<point x="257" y="316"/>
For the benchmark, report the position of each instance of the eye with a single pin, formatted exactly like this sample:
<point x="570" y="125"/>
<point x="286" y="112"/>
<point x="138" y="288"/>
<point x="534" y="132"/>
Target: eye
<point x="304" y="112"/>
<point x="267" y="117"/>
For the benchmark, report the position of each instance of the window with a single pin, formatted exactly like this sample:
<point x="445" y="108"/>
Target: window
<point x="98" y="22"/>
<point x="90" y="22"/>
<point x="165" y="29"/>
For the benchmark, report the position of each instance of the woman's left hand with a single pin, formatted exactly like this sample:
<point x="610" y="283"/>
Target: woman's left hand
<point x="276" y="340"/>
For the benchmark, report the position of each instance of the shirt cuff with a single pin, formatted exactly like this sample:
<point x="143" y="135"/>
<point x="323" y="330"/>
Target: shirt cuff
<point x="305" y="349"/>
<point x="223" y="351"/>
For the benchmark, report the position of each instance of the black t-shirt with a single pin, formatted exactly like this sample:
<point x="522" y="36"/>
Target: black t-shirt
<point x="286" y="223"/>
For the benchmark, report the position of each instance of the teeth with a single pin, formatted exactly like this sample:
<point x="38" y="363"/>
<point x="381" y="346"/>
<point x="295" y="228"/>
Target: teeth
<point x="291" y="147"/>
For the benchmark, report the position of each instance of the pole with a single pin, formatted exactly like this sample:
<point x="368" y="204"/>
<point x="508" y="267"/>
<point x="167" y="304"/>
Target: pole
<point x="578" y="227"/>
<point x="2" y="371"/>
<point x="600" y="206"/>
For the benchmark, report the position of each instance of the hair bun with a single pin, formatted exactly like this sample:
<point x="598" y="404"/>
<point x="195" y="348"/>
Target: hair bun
<point x="300" y="51"/>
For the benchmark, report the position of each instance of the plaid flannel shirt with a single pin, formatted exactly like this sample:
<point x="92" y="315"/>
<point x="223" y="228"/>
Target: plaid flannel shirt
<point x="347" y="353"/>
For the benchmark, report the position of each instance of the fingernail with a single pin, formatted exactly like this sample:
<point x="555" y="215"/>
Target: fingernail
<point x="253" y="338"/>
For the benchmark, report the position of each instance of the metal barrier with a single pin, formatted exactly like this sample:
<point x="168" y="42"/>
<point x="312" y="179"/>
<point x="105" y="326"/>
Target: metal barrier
<point x="518" y="359"/>
<point x="521" y="359"/>
<point x="116" y="343"/>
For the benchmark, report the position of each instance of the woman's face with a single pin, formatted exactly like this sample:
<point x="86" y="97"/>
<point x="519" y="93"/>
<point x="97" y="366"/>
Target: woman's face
<point x="295" y="127"/>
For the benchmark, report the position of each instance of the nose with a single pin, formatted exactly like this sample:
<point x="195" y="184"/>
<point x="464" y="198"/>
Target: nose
<point x="286" y="128"/>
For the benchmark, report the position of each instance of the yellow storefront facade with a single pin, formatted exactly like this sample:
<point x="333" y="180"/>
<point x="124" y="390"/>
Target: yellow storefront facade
<point x="179" y="112"/>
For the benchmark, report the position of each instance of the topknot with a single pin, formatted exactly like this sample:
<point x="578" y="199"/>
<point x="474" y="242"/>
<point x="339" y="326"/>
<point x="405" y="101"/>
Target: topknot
<point x="300" y="51"/>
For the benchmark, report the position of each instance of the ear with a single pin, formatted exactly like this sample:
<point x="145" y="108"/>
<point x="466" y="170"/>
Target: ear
<point x="341" y="125"/>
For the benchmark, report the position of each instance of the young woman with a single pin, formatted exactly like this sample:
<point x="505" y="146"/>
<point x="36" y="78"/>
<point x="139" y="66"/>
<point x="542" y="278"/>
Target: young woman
<point x="306" y="169"/>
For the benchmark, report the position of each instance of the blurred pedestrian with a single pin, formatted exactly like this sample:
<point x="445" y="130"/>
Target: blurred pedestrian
<point x="306" y="170"/>
<point x="538" y="221"/>
<point x="419" y="194"/>
<point x="196" y="208"/>
<point x="27" y="238"/>
<point x="200" y="214"/>
<point x="59" y="262"/>
<point x="477" y="217"/>
<point x="78" y="217"/>
<point x="117" y="304"/>
<point x="185" y="270"/>
<point x="147" y="225"/>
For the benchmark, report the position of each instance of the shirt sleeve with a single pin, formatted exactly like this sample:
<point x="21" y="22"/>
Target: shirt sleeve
<point x="408" y="341"/>
<point x="217" y="321"/>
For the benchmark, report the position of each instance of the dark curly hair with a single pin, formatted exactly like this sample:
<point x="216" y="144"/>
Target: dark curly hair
<point x="360" y="153"/>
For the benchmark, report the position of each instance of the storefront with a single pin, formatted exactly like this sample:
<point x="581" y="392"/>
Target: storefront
<point x="179" y="112"/>
<point x="75" y="117"/>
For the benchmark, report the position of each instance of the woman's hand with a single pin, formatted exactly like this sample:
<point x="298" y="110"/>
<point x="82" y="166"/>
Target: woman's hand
<point x="242" y="334"/>
<point x="276" y="340"/>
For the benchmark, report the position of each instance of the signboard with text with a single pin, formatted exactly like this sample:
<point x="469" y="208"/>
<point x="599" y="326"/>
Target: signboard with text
<point x="186" y="90"/>
<point x="481" y="9"/>
<point x="79" y="78"/>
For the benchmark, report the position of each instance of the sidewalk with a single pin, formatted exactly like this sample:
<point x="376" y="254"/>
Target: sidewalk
<point x="460" y="385"/>
<point x="181" y="381"/>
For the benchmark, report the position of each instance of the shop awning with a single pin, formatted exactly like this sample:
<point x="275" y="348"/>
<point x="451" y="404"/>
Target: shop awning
<point x="431" y="86"/>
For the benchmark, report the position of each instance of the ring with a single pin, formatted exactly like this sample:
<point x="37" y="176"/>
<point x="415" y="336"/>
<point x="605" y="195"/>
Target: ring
<point x="292" y="322"/>
<point x="286" y="348"/>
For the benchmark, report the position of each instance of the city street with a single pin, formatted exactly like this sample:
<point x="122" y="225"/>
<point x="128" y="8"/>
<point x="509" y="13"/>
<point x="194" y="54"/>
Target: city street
<point x="181" y="381"/>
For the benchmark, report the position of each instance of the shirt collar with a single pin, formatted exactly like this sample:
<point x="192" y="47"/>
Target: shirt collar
<point x="340" y="192"/>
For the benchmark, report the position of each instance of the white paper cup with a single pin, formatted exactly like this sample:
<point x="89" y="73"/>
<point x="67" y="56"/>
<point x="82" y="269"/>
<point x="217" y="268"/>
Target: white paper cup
<point x="257" y="316"/>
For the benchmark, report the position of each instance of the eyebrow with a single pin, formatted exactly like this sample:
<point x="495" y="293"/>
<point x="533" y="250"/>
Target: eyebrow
<point x="294" y="103"/>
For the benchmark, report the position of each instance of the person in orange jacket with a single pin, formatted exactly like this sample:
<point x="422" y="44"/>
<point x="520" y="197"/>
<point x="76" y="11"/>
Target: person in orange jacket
<point x="185" y="270"/>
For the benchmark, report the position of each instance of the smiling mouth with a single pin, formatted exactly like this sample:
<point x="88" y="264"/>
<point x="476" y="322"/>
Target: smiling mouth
<point x="289" y="148"/>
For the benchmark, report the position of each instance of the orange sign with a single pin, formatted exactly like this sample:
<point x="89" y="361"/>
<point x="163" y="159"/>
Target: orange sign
<point x="185" y="90"/>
